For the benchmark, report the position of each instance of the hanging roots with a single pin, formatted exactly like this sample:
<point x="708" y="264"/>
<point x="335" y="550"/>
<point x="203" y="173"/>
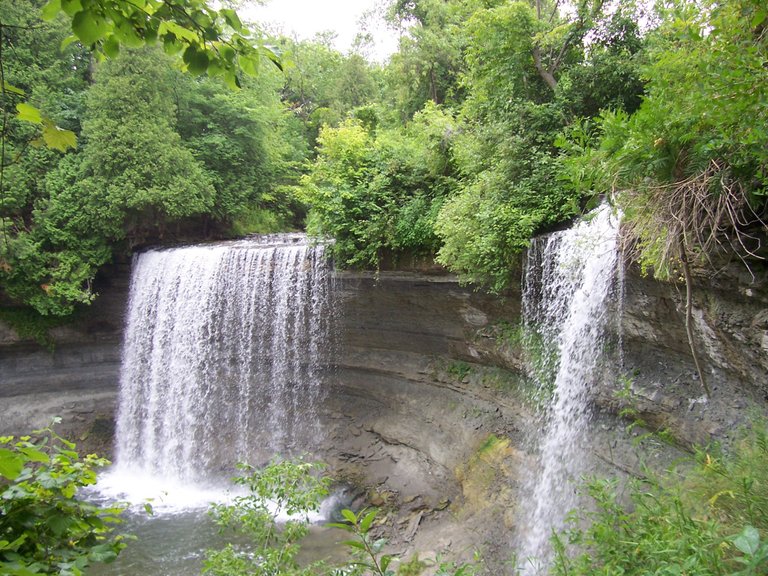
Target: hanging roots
<point x="691" y="220"/>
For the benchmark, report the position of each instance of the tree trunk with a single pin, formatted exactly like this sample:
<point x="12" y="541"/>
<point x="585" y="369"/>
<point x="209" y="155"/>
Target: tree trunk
<point x="545" y="74"/>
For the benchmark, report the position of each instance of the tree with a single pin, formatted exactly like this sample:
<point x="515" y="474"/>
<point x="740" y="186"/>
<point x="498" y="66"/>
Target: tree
<point x="429" y="61"/>
<point x="559" y="33"/>
<point x="246" y="141"/>
<point x="529" y="79"/>
<point x="377" y="193"/>
<point x="61" y="218"/>
<point x="209" y="40"/>
<point x="33" y="70"/>
<point x="506" y="152"/>
<point x="133" y="160"/>
<point x="323" y="86"/>
<point x="690" y="167"/>
<point x="290" y="488"/>
<point x="130" y="181"/>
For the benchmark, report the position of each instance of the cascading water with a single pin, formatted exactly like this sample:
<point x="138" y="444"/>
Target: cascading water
<point x="224" y="355"/>
<point x="568" y="281"/>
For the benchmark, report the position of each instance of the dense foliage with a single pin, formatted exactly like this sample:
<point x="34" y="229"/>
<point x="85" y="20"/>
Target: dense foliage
<point x="160" y="155"/>
<point x="44" y="527"/>
<point x="377" y="190"/>
<point x="512" y="81"/>
<point x="690" y="165"/>
<point x="552" y="109"/>
<point x="711" y="519"/>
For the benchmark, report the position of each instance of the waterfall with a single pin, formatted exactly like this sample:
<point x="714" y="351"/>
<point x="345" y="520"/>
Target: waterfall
<point x="568" y="282"/>
<point x="224" y="354"/>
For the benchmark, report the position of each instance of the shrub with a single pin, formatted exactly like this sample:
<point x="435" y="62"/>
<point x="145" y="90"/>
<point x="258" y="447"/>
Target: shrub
<point x="44" y="528"/>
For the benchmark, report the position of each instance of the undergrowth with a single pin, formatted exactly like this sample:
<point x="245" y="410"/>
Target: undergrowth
<point x="711" y="519"/>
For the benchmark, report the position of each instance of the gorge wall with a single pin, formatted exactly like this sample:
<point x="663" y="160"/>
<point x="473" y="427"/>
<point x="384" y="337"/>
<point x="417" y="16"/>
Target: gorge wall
<point x="431" y="408"/>
<point x="75" y="377"/>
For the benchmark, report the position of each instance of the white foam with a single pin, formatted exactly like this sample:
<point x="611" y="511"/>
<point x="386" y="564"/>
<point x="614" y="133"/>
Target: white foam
<point x="166" y="495"/>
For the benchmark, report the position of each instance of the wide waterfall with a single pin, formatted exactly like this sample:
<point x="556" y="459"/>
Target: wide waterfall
<point x="569" y="278"/>
<point x="225" y="351"/>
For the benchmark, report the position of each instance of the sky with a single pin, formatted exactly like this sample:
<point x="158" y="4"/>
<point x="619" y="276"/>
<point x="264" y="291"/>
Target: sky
<point x="305" y="18"/>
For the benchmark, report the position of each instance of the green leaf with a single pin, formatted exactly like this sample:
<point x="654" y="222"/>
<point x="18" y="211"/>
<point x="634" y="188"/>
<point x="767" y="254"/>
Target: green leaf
<point x="349" y="516"/>
<point x="365" y="525"/>
<point x="231" y="17"/>
<point x="50" y="10"/>
<point x="28" y="113"/>
<point x="231" y="80"/>
<point x="9" y="88"/>
<point x="71" y="445"/>
<point x="227" y="53"/>
<point x="67" y="41"/>
<point x="69" y="490"/>
<point x="89" y="27"/>
<point x="111" y="46"/>
<point x="272" y="54"/>
<point x="748" y="542"/>
<point x="150" y="36"/>
<point x="71" y="7"/>
<point x="354" y="544"/>
<point x="214" y="69"/>
<point x="249" y="65"/>
<point x="34" y="455"/>
<point x="58" y="138"/>
<point x="198" y="62"/>
<point x="177" y="30"/>
<point x="59" y="524"/>
<point x="11" y="464"/>
<point x="171" y="45"/>
<point x="127" y="35"/>
<point x="385" y="561"/>
<point x="103" y="553"/>
<point x="5" y="545"/>
<point x="340" y="526"/>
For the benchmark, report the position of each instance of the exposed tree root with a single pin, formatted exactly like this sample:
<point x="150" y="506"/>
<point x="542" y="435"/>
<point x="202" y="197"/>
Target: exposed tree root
<point x="671" y="227"/>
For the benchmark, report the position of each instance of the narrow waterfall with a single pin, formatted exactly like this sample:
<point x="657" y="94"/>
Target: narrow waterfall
<point x="568" y="282"/>
<point x="225" y="349"/>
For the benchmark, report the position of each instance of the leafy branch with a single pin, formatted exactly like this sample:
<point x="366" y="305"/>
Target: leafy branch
<point x="44" y="527"/>
<point x="366" y="552"/>
<point x="210" y="41"/>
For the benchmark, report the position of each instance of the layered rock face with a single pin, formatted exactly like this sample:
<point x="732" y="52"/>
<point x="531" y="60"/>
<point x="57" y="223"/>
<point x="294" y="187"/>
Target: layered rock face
<point x="428" y="407"/>
<point x="75" y="378"/>
<point x="730" y="324"/>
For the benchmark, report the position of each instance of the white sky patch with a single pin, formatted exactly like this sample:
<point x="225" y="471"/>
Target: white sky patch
<point x="303" y="19"/>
